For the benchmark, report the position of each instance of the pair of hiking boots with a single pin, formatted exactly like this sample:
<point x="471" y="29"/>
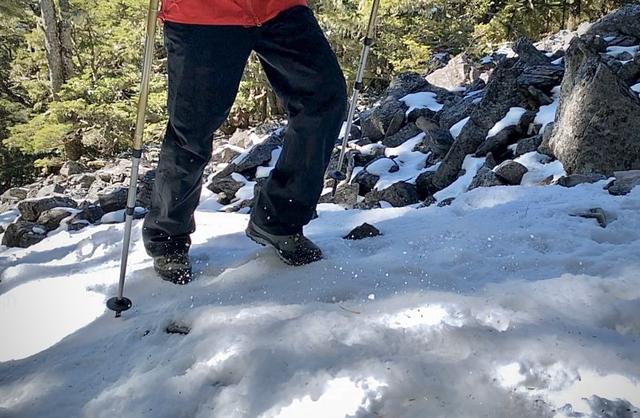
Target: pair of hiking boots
<point x="295" y="250"/>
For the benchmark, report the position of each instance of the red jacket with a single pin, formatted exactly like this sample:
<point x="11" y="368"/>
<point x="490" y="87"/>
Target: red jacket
<point x="224" y="12"/>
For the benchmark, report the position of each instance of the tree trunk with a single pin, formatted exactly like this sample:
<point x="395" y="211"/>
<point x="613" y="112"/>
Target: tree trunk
<point x="65" y="38"/>
<point x="57" y="43"/>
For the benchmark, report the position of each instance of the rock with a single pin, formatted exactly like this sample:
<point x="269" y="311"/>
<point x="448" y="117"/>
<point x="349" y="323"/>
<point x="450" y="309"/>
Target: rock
<point x="400" y="194"/>
<point x="625" y="21"/>
<point x="50" y="190"/>
<point x="97" y="188"/>
<point x="446" y="202"/>
<point x="528" y="145"/>
<point x="459" y="71"/>
<point x="31" y="209"/>
<point x="257" y="155"/>
<point x="597" y="129"/>
<point x="407" y="83"/>
<point x="424" y="185"/>
<point x="629" y="72"/>
<point x="225" y="154"/>
<point x="542" y="77"/>
<point x="84" y="180"/>
<point x="511" y="172"/>
<point x="457" y="110"/>
<point x="575" y="179"/>
<point x="485" y="177"/>
<point x="376" y="122"/>
<point x="72" y="167"/>
<point x="594" y="213"/>
<point x="528" y="53"/>
<point x="1" y="229"/>
<point x="113" y="199"/>
<point x="50" y="219"/>
<point x="366" y="181"/>
<point x="346" y="195"/>
<point x="145" y="189"/>
<point x="363" y="231"/>
<point x="15" y="194"/>
<point x="407" y="132"/>
<point x="501" y="94"/>
<point x="88" y="212"/>
<point x="498" y="143"/>
<point x="437" y="140"/>
<point x="241" y="138"/>
<point x="228" y="186"/>
<point x="23" y="234"/>
<point x="625" y="181"/>
<point x="557" y="42"/>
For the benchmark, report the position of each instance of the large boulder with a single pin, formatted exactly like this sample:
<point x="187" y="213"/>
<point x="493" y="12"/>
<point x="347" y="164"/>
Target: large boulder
<point x="459" y="71"/>
<point x="625" y="20"/>
<point x="597" y="129"/>
<point x="31" y="209"/>
<point x="113" y="198"/>
<point x="23" y="234"/>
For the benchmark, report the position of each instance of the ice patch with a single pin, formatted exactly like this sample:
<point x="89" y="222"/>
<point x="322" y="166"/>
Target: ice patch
<point x="457" y="128"/>
<point x="510" y="119"/>
<point x="422" y="100"/>
<point x="547" y="113"/>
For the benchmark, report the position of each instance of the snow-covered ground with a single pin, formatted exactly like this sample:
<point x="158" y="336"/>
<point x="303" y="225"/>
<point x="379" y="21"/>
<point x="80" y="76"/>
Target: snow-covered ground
<point x="500" y="305"/>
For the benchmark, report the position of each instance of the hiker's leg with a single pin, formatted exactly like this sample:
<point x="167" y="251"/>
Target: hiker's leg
<point x="205" y="65"/>
<point x="305" y="74"/>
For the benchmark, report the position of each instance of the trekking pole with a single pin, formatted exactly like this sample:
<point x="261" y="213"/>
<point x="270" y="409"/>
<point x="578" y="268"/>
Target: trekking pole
<point x="120" y="303"/>
<point x="337" y="175"/>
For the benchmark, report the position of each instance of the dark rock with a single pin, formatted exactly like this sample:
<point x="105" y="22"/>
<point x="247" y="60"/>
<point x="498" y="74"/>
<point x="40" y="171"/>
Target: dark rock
<point x="528" y="145"/>
<point x="457" y="110"/>
<point x="408" y="132"/>
<point x="437" y="140"/>
<point x="258" y="155"/>
<point x="113" y="199"/>
<point x="407" y="83"/>
<point x="629" y="72"/>
<point x="542" y="77"/>
<point x="376" y="122"/>
<point x="396" y="122"/>
<point x="625" y="181"/>
<point x="346" y="195"/>
<point x="227" y="186"/>
<point x="485" y="177"/>
<point x="498" y="143"/>
<point x="511" y="172"/>
<point x="50" y="219"/>
<point x="529" y="54"/>
<point x="490" y="161"/>
<point x="241" y="138"/>
<point x="446" y="202"/>
<point x="225" y="154"/>
<point x="145" y="189"/>
<point x="177" y="328"/>
<point x="88" y="212"/>
<point x="363" y="231"/>
<point x="625" y="21"/>
<point x="400" y="194"/>
<point x="575" y="179"/>
<point x="23" y="234"/>
<point x="424" y="185"/>
<point x="366" y="181"/>
<point x="30" y="210"/>
<point x="598" y="120"/>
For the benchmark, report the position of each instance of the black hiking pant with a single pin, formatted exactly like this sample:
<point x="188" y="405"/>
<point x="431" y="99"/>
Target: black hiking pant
<point x="205" y="65"/>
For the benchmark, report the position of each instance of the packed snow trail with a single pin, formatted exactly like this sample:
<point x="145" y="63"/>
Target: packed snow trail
<point x="500" y="305"/>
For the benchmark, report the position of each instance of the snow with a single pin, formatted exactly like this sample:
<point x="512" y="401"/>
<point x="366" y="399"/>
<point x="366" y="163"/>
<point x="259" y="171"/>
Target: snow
<point x="616" y="51"/>
<point x="510" y="119"/>
<point x="636" y="88"/>
<point x="540" y="168"/>
<point x="410" y="164"/>
<point x="120" y="215"/>
<point x="547" y="113"/>
<point x="471" y="165"/>
<point x="457" y="128"/>
<point x="422" y="100"/>
<point x="501" y="304"/>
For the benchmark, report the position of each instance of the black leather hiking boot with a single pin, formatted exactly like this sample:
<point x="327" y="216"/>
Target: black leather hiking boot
<point x="295" y="250"/>
<point x="175" y="268"/>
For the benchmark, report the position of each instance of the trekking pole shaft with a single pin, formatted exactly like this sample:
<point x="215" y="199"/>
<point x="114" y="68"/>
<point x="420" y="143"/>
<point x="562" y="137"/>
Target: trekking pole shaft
<point x="137" y="139"/>
<point x="357" y="86"/>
